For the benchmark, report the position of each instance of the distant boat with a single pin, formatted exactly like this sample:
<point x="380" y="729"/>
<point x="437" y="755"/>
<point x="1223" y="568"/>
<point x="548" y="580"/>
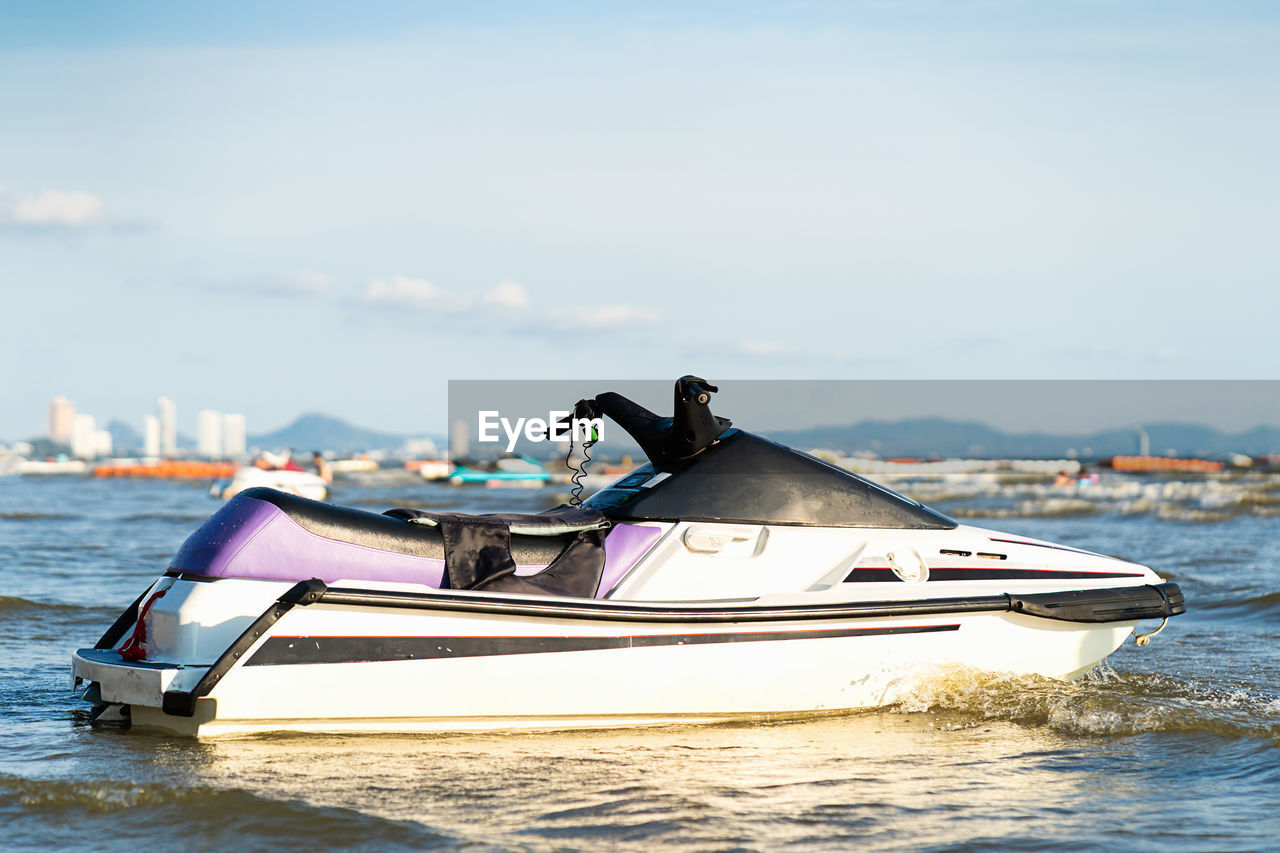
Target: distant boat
<point x="512" y="471"/>
<point x="46" y="467"/>
<point x="431" y="469"/>
<point x="355" y="465"/>
<point x="168" y="469"/>
<point x="304" y="484"/>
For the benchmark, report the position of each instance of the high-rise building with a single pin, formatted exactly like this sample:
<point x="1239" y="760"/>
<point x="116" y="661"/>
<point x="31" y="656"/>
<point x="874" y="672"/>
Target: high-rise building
<point x="233" y="435"/>
<point x="209" y="433"/>
<point x="150" y="436"/>
<point x="167" y="412"/>
<point x="62" y="419"/>
<point x="459" y="440"/>
<point x="84" y="437"/>
<point x="103" y="444"/>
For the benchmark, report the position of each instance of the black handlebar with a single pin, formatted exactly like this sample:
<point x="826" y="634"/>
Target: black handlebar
<point x="691" y="429"/>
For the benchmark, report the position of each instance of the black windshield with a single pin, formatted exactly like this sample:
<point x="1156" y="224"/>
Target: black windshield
<point x="749" y="479"/>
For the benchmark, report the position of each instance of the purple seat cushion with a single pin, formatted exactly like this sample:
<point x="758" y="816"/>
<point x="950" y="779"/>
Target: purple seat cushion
<point x="623" y="548"/>
<point x="250" y="538"/>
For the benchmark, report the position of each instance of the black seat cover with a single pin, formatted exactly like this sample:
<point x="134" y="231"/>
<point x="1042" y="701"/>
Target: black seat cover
<point x="478" y="549"/>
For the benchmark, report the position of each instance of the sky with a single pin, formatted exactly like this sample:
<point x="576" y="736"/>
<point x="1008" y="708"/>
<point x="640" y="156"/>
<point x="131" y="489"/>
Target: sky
<point x="277" y="208"/>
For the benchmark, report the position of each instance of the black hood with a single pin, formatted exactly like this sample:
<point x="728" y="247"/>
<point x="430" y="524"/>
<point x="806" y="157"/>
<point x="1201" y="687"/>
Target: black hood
<point x="744" y="478"/>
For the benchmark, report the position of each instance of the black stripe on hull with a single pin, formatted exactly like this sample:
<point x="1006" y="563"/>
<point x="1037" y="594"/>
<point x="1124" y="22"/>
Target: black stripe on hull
<point x="287" y="651"/>
<point x="877" y="575"/>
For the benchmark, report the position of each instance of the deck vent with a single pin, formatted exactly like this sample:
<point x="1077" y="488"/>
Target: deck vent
<point x="947" y="552"/>
<point x="988" y="556"/>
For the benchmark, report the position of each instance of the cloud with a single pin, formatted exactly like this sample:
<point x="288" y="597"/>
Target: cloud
<point x="600" y="317"/>
<point x="51" y="209"/>
<point x="506" y="306"/>
<point x="407" y="292"/>
<point x="508" y="294"/>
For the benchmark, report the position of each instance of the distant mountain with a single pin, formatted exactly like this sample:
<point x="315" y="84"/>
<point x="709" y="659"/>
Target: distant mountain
<point x="124" y="437"/>
<point x="324" y="432"/>
<point x="926" y="437"/>
<point x="919" y="437"/>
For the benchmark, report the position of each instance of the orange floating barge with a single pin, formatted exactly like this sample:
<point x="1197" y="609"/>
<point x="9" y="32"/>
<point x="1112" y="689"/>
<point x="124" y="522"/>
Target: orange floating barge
<point x="1157" y="464"/>
<point x="169" y="470"/>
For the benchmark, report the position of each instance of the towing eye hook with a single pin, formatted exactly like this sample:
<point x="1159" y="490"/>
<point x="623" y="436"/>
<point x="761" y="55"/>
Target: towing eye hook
<point x="1145" y="639"/>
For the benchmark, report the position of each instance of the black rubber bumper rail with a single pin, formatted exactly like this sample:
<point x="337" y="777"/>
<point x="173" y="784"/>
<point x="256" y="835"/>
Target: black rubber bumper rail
<point x="1122" y="604"/>
<point x="1117" y="604"/>
<point x="1094" y="606"/>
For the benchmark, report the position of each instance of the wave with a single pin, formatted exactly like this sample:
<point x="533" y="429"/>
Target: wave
<point x="1175" y="512"/>
<point x="1058" y="508"/>
<point x="23" y="515"/>
<point x="1067" y="508"/>
<point x="9" y="604"/>
<point x="399" y="502"/>
<point x="1208" y="501"/>
<point x="1050" y="508"/>
<point x="1103" y="703"/>
<point x="1267" y="604"/>
<point x="177" y="517"/>
<point x="60" y="548"/>
<point x="154" y="814"/>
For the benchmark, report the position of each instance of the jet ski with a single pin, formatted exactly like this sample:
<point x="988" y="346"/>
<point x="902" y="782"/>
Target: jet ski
<point x="519" y="471"/>
<point x="301" y="483"/>
<point x="729" y="577"/>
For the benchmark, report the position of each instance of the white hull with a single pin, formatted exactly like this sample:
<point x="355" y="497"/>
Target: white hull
<point x="697" y="673"/>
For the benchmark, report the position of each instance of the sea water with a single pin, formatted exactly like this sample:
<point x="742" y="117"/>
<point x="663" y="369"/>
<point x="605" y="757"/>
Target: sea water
<point x="1172" y="745"/>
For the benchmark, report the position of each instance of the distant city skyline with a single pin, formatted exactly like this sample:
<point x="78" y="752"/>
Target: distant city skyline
<point x="218" y="435"/>
<point x="1052" y="406"/>
<point x="292" y="207"/>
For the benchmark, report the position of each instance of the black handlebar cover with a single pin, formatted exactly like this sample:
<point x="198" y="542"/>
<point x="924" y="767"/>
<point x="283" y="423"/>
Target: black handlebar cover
<point x="667" y="442"/>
